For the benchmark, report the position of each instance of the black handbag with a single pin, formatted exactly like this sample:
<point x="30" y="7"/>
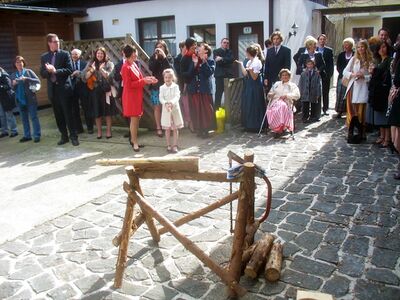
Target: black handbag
<point x="105" y="86"/>
<point x="8" y="100"/>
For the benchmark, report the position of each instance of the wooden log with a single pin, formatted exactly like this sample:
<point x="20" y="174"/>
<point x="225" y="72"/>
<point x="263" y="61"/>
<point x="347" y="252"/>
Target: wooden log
<point x="251" y="230"/>
<point x="248" y="253"/>
<point x="137" y="222"/>
<point x="166" y="164"/>
<point x="246" y="188"/>
<point x="259" y="256"/>
<point x="200" y="176"/>
<point x="201" y="212"/>
<point x="134" y="180"/>
<point x="249" y="157"/>
<point x="189" y="245"/>
<point x="123" y="247"/>
<point x="274" y="263"/>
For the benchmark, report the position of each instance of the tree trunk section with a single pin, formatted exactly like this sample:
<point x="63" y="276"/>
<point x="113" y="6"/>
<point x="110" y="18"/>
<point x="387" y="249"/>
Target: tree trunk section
<point x="259" y="256"/>
<point x="274" y="263"/>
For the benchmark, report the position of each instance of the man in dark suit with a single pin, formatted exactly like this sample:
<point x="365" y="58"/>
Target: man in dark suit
<point x="56" y="66"/>
<point x="80" y="94"/>
<point x="223" y="57"/>
<point x="327" y="54"/>
<point x="278" y="58"/>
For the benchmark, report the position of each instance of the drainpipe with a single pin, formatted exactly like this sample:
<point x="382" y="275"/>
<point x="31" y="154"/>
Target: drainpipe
<point x="271" y="16"/>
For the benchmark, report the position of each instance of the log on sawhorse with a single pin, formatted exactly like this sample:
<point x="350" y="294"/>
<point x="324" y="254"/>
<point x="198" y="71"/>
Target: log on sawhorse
<point x="186" y="168"/>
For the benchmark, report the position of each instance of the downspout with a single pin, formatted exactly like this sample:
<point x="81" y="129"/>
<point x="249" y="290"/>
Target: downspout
<point x="271" y="16"/>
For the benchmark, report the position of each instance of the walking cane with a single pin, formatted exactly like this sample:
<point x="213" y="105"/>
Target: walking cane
<point x="262" y="124"/>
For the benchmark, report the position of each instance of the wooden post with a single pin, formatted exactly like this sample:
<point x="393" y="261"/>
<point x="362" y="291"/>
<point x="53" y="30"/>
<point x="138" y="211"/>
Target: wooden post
<point x="259" y="256"/>
<point x="137" y="222"/>
<point x="245" y="191"/>
<point x="134" y="179"/>
<point x="274" y="263"/>
<point x="188" y="244"/>
<point x="201" y="212"/>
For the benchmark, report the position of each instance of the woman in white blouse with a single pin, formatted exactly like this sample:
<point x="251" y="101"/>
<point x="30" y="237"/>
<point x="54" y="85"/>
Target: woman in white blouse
<point x="358" y="72"/>
<point x="280" y="107"/>
<point x="253" y="102"/>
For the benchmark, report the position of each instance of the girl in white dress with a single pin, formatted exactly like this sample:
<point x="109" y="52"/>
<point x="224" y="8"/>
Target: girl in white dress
<point x="358" y="72"/>
<point x="171" y="116"/>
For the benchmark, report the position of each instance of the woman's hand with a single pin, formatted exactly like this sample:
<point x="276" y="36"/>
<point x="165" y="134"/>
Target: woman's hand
<point x="238" y="62"/>
<point x="159" y="53"/>
<point x="195" y="59"/>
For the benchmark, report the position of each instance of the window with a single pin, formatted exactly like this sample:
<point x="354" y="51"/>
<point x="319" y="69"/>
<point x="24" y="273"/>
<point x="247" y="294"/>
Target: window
<point x="203" y="33"/>
<point x="91" y="30"/>
<point x="151" y="30"/>
<point x="362" y="33"/>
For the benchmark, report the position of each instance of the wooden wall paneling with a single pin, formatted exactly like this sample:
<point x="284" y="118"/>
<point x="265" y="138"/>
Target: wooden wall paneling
<point x="31" y="48"/>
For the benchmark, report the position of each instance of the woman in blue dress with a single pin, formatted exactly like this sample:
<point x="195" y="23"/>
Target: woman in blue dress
<point x="253" y="102"/>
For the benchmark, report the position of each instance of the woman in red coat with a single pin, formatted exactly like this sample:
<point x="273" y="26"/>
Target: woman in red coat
<point x="132" y="95"/>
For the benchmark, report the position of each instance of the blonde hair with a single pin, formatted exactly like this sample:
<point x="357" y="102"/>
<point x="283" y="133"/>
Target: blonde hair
<point x="169" y="71"/>
<point x="367" y="59"/>
<point x="310" y="41"/>
<point x="260" y="53"/>
<point x="350" y="41"/>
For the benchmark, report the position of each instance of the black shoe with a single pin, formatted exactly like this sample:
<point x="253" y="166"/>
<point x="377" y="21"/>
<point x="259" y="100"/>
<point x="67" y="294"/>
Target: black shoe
<point x="75" y="142"/>
<point x="3" y="134"/>
<point x="90" y="131"/>
<point x="63" y="141"/>
<point x="25" y="139"/>
<point x="13" y="134"/>
<point x="36" y="140"/>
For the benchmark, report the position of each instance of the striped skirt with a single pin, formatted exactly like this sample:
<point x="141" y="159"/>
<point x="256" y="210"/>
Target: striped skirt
<point x="280" y="116"/>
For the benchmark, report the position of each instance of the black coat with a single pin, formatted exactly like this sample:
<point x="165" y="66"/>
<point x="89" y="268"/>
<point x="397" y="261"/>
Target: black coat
<point x="157" y="67"/>
<point x="379" y="86"/>
<point x="328" y="58"/>
<point x="341" y="63"/>
<point x="276" y="62"/>
<point x="7" y="96"/>
<point x="223" y="68"/>
<point x="63" y="65"/>
<point x="78" y="85"/>
<point x="296" y="58"/>
<point x="394" y="116"/>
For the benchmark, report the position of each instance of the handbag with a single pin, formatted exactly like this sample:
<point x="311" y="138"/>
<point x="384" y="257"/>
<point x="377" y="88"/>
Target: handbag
<point x="34" y="87"/>
<point x="105" y="86"/>
<point x="345" y="81"/>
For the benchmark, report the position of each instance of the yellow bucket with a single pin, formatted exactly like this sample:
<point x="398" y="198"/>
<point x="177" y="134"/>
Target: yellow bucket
<point x="220" y="116"/>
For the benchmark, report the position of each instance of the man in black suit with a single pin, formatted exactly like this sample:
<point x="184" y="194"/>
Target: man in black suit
<point x="56" y="66"/>
<point x="223" y="57"/>
<point x="278" y="58"/>
<point x="80" y="94"/>
<point x="327" y="54"/>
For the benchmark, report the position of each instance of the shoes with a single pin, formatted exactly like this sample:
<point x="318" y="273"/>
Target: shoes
<point x="325" y="113"/>
<point x="13" y="134"/>
<point x="90" y="131"/>
<point x="174" y="149"/>
<point x="108" y="137"/>
<point x="378" y="141"/>
<point x="169" y="149"/>
<point x="75" y="142"/>
<point x="3" y="134"/>
<point x="136" y="149"/>
<point x="63" y="141"/>
<point x="25" y="139"/>
<point x="99" y="137"/>
<point x="36" y="140"/>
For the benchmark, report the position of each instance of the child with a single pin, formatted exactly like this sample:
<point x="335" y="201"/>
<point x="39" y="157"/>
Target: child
<point x="310" y="90"/>
<point x="171" y="116"/>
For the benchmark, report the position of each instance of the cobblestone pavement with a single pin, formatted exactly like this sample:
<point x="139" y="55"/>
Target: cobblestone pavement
<point x="335" y="208"/>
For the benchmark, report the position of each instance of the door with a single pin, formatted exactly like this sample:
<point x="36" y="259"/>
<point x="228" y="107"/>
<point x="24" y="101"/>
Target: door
<point x="241" y="35"/>
<point x="31" y="48"/>
<point x="393" y="25"/>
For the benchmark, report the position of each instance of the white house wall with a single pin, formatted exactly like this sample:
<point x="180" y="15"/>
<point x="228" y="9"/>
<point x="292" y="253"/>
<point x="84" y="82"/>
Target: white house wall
<point x="218" y="12"/>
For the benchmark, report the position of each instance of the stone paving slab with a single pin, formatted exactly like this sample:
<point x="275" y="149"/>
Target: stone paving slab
<point x="335" y="208"/>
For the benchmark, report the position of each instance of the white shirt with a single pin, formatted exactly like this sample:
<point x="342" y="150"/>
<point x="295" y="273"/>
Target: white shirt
<point x="254" y="64"/>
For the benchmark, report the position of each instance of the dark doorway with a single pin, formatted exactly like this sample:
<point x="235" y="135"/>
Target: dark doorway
<point x="393" y="25"/>
<point x="241" y="35"/>
<point x="91" y="30"/>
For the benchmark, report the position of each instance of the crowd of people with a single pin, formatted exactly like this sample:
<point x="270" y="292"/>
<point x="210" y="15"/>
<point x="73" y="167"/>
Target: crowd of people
<point x="182" y="96"/>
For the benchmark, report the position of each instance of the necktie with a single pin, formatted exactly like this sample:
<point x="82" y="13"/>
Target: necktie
<point x="276" y="50"/>
<point x="76" y="66"/>
<point x="53" y="61"/>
